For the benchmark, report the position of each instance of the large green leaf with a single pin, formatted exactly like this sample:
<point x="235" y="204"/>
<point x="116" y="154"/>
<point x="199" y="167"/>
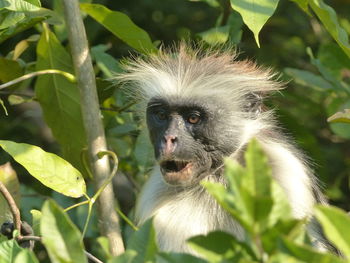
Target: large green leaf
<point x="121" y="26"/>
<point x="143" y="241"/>
<point x="255" y="13"/>
<point x="60" y="236"/>
<point x="59" y="98"/>
<point x="9" y="178"/>
<point x="26" y="256"/>
<point x="329" y="19"/>
<point x="336" y="225"/>
<point x="9" y="250"/>
<point x="48" y="168"/>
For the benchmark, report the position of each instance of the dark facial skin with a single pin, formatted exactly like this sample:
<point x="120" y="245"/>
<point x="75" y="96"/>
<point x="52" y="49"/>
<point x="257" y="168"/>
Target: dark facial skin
<point x="189" y="139"/>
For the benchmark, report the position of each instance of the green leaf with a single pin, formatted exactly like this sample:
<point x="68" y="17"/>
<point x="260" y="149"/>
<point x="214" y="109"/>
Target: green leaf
<point x="143" y="151"/>
<point x="59" y="98"/>
<point x="329" y="19"/>
<point x="143" y="241"/>
<point x="178" y="258"/>
<point x="219" y="246"/>
<point x="60" y="236"/>
<point x="9" y="250"/>
<point x="121" y="26"/>
<point x="26" y="256"/>
<point x="107" y="64"/>
<point x="22" y="25"/>
<point x="306" y="78"/>
<point x="332" y="57"/>
<point x="9" y="178"/>
<point x="48" y="168"/>
<point x="336" y="225"/>
<point x="303" y="4"/>
<point x="308" y="254"/>
<point x="18" y="5"/>
<point x="255" y="13"/>
<point x="9" y="70"/>
<point x="127" y="257"/>
<point x="36" y="217"/>
<point x="341" y="116"/>
<point x="216" y="35"/>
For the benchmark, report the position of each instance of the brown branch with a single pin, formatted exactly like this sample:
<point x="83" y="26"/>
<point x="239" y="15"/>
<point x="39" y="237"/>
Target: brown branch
<point x="108" y="218"/>
<point x="13" y="207"/>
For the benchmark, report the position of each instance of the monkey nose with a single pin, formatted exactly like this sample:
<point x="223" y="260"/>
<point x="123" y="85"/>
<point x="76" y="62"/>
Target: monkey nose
<point x="170" y="142"/>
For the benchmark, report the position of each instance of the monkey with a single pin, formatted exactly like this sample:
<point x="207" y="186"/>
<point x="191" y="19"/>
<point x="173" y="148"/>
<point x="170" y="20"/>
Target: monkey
<point x="200" y="107"/>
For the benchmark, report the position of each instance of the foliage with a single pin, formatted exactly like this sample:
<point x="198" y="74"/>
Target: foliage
<point x="305" y="39"/>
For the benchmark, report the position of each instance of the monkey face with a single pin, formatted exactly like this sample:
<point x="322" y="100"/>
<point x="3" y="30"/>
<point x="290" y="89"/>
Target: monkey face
<point x="182" y="133"/>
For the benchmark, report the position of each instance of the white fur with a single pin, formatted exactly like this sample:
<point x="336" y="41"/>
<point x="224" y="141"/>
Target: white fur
<point x="182" y="213"/>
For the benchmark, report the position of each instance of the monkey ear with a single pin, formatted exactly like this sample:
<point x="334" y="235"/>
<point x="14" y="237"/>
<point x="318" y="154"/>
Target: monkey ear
<point x="254" y="103"/>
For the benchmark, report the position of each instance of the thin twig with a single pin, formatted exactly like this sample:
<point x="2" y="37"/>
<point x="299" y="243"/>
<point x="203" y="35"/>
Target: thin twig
<point x="34" y="238"/>
<point x="119" y="109"/>
<point x="92" y="257"/>
<point x="13" y="207"/>
<point x="38" y="73"/>
<point x="76" y="205"/>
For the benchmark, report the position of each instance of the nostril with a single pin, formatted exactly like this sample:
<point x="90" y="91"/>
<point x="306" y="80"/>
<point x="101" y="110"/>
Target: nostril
<point x="170" y="138"/>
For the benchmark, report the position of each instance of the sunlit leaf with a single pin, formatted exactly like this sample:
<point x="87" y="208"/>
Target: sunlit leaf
<point x="255" y="13"/>
<point x="48" y="168"/>
<point x="9" y="250"/>
<point x="336" y="226"/>
<point x="18" y="5"/>
<point x="329" y="19"/>
<point x="341" y="116"/>
<point x="121" y="26"/>
<point x="26" y="256"/>
<point x="60" y="236"/>
<point x="59" y="98"/>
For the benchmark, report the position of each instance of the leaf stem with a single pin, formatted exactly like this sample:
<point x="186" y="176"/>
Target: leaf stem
<point x="69" y="76"/>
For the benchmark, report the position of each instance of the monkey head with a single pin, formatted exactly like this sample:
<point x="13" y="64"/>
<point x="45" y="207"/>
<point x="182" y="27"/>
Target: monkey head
<point x="199" y="108"/>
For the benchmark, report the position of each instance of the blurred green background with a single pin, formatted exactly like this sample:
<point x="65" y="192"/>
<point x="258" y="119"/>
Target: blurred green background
<point x="292" y="43"/>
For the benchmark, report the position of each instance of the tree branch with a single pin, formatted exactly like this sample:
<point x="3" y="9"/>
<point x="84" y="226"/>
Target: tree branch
<point x="13" y="207"/>
<point x="108" y="218"/>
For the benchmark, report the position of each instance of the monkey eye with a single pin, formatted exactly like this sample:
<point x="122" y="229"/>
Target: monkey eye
<point x="194" y="118"/>
<point x="161" y="115"/>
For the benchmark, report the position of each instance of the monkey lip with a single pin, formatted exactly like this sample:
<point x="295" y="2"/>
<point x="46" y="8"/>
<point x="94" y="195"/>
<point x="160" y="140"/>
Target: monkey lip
<point x="176" y="172"/>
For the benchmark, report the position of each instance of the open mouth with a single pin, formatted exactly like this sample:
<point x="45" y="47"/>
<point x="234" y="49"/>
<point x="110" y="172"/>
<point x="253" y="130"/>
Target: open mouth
<point x="174" y="166"/>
